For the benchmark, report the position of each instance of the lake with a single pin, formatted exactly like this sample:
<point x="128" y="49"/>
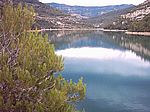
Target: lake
<point x="115" y="68"/>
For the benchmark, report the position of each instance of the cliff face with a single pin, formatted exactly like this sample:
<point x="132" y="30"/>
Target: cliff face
<point x="139" y="12"/>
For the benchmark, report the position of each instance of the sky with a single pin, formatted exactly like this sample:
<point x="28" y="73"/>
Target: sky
<point x="94" y="2"/>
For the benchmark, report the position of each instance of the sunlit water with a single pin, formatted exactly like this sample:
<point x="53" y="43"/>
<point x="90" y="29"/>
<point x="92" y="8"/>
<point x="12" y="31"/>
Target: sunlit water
<point x="115" y="68"/>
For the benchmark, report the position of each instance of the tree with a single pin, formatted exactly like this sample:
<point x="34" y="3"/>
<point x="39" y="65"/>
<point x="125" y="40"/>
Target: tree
<point x="28" y="68"/>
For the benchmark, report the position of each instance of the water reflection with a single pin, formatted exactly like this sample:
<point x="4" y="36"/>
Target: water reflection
<point x="138" y="44"/>
<point x="66" y="39"/>
<point x="99" y="53"/>
<point x="115" y="67"/>
<point x="116" y="61"/>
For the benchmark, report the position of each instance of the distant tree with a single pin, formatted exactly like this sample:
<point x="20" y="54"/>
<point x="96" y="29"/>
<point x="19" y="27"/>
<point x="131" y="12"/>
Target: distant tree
<point x="28" y="67"/>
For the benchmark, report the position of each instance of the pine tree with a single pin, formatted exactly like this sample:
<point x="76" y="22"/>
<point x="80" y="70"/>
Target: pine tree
<point x="28" y="68"/>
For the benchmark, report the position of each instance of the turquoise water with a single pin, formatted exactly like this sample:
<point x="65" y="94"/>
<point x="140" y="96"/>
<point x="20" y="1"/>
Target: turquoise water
<point x="115" y="67"/>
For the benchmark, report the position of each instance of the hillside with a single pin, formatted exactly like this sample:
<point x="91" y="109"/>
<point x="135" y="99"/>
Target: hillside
<point x="88" y="11"/>
<point x="49" y="17"/>
<point x="139" y="12"/>
<point x="137" y="19"/>
<point x="108" y="18"/>
<point x="141" y="25"/>
<point x="39" y="7"/>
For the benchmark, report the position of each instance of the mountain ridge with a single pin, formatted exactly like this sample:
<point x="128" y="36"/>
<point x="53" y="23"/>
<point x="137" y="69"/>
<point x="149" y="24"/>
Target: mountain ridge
<point x="108" y="18"/>
<point x="88" y="11"/>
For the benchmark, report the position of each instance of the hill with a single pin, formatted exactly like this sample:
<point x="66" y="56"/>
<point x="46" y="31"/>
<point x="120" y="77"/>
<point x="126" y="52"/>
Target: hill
<point x="39" y="7"/>
<point x="49" y="17"/>
<point x="141" y="25"/>
<point x="88" y="11"/>
<point x="139" y="12"/>
<point x="108" y="18"/>
<point x="136" y="19"/>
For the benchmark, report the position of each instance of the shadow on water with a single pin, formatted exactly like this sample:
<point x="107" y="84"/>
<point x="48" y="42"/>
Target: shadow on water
<point x="115" y="67"/>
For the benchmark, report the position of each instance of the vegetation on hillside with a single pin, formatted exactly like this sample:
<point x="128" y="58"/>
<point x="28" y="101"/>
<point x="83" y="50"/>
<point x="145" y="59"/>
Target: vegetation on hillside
<point x="121" y="24"/>
<point x="142" y="25"/>
<point x="137" y="19"/>
<point x="131" y="25"/>
<point x="108" y="18"/>
<point x="29" y="68"/>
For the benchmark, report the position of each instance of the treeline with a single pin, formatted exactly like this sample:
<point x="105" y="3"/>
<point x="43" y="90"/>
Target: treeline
<point x="29" y="68"/>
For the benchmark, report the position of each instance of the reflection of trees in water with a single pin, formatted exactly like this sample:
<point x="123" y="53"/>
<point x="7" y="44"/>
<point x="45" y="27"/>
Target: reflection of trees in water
<point x="66" y="39"/>
<point x="138" y="44"/>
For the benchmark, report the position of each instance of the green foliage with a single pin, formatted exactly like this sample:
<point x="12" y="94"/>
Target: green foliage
<point x="28" y="68"/>
<point x="121" y="24"/>
<point x="16" y="19"/>
<point x="132" y="25"/>
<point x="142" y="25"/>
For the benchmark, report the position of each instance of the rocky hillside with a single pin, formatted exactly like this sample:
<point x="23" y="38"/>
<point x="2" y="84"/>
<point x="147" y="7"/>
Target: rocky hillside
<point x="137" y="19"/>
<point x="141" y="25"/>
<point x="88" y="11"/>
<point x="139" y="12"/>
<point x="49" y="17"/>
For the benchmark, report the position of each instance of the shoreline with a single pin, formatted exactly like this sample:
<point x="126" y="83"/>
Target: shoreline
<point x="96" y="29"/>
<point x="67" y="30"/>
<point x="80" y="29"/>
<point x="113" y="30"/>
<point x="138" y="33"/>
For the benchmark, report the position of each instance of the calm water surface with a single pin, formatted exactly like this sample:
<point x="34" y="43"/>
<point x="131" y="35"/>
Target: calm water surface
<point x="115" y="67"/>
